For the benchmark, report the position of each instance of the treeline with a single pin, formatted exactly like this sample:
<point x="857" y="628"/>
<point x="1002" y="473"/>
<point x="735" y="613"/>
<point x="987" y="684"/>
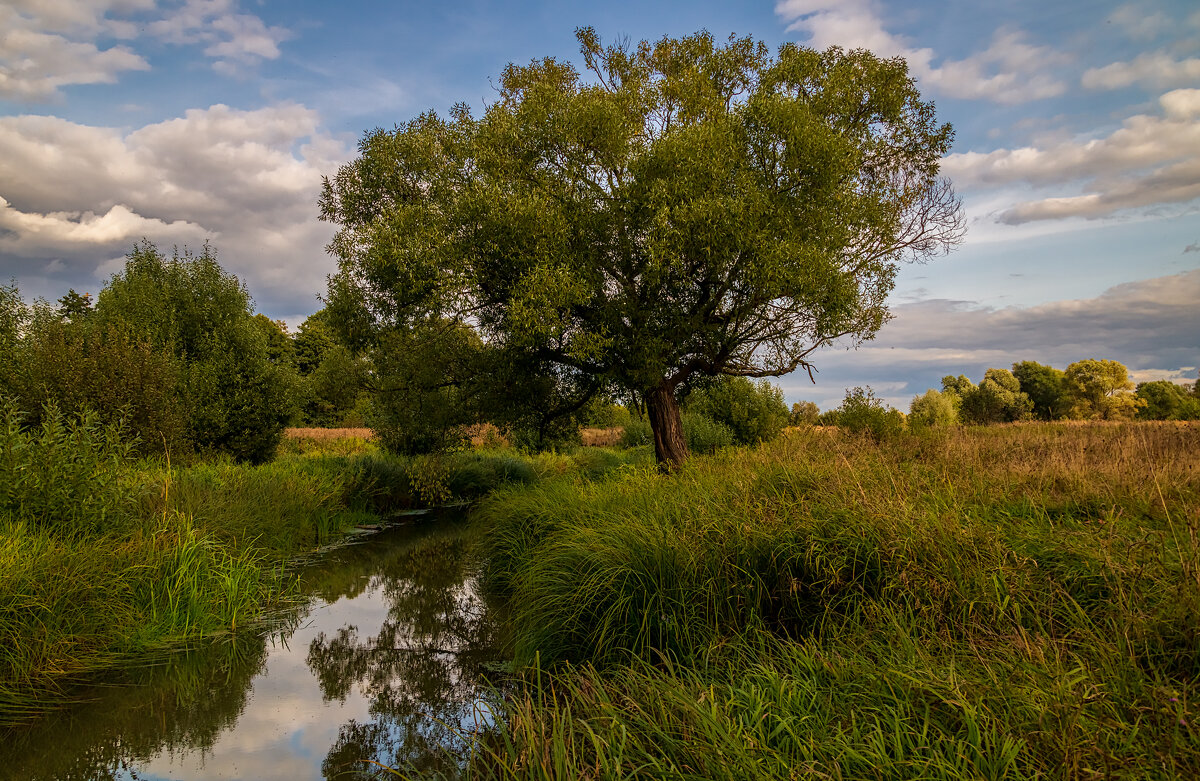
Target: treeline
<point x="172" y="350"/>
<point x="1090" y="389"/>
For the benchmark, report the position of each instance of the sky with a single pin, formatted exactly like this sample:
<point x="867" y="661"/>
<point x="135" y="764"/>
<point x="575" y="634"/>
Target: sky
<point x="1077" y="151"/>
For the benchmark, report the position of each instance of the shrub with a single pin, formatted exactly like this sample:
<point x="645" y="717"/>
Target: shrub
<point x="862" y="413"/>
<point x="753" y="411"/>
<point x="64" y="474"/>
<point x="804" y="413"/>
<point x="189" y="308"/>
<point x="933" y="409"/>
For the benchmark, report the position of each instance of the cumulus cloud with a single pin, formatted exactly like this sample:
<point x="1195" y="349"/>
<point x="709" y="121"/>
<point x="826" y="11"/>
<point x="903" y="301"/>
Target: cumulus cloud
<point x="45" y="46"/>
<point x="74" y="197"/>
<point x="231" y="38"/>
<point x="1148" y="161"/>
<point x="1149" y="325"/>
<point x="1009" y="70"/>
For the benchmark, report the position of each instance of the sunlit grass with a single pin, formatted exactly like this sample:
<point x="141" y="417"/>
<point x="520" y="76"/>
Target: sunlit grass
<point x="1009" y="602"/>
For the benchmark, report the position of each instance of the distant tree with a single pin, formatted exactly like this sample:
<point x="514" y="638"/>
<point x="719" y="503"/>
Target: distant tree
<point x="753" y="411"/>
<point x="280" y="350"/>
<point x="1046" y="387"/>
<point x="955" y="388"/>
<point x="1101" y="390"/>
<point x="933" y="410"/>
<point x="804" y="413"/>
<point x="1166" y="400"/>
<point x="237" y="400"/>
<point x="997" y="399"/>
<point x="73" y="306"/>
<point x="313" y="340"/>
<point x="691" y="210"/>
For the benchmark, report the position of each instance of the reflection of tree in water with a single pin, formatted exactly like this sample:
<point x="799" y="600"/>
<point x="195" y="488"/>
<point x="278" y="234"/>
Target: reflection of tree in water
<point x="420" y="670"/>
<point x="183" y="703"/>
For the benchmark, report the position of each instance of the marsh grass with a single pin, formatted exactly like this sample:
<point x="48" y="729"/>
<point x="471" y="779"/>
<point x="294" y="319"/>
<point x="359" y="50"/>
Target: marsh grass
<point x="1006" y="602"/>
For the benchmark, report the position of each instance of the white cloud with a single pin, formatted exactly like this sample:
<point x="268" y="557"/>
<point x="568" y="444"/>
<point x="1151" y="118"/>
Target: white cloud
<point x="231" y="38"/>
<point x="49" y="44"/>
<point x="1010" y="70"/>
<point x="1156" y="70"/>
<point x="45" y="46"/>
<point x="1148" y="161"/>
<point x="248" y="180"/>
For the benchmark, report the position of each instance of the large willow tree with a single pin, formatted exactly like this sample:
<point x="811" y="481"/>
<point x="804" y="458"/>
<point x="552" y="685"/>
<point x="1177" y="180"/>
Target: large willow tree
<point x="688" y="209"/>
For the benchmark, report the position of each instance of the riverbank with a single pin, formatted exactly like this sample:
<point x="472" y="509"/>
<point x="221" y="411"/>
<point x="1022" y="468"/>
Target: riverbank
<point x="104" y="558"/>
<point x="1008" y="602"/>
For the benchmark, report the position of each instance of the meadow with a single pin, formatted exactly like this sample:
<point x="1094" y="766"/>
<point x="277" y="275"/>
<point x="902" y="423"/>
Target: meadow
<point x="1007" y="602"/>
<point x="1003" y="602"/>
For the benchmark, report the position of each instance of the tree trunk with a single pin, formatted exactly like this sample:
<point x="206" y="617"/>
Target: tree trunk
<point x="670" y="447"/>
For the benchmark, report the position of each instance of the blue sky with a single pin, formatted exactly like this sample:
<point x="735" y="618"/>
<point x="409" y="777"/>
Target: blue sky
<point x="1077" y="151"/>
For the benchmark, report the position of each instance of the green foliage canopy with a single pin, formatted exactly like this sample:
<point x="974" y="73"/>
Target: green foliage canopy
<point x="1101" y="389"/>
<point x="187" y="306"/>
<point x="692" y="209"/>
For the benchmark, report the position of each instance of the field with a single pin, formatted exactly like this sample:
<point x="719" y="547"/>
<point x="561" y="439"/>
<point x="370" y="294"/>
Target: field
<point x="1002" y="602"/>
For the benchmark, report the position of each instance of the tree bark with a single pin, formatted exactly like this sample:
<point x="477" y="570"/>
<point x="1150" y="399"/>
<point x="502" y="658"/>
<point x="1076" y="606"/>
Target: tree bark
<point x="670" y="447"/>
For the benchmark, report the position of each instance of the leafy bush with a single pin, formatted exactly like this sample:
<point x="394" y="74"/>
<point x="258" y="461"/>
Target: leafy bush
<point x="862" y="413"/>
<point x="804" y="413"/>
<point x="83" y="365"/>
<point x="753" y="411"/>
<point x="997" y="399"/>
<point x="64" y="474"/>
<point x="933" y="409"/>
<point x="188" y="307"/>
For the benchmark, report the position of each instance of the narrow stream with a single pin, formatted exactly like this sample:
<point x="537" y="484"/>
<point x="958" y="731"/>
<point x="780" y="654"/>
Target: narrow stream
<point x="385" y="664"/>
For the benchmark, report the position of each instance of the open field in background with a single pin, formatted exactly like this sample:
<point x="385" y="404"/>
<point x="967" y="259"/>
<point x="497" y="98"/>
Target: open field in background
<point x="1003" y="602"/>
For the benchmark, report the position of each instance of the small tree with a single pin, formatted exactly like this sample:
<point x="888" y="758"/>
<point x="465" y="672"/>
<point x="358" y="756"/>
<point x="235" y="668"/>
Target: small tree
<point x="863" y="413"/>
<point x="237" y="400"/>
<point x="1101" y="390"/>
<point x="997" y="399"/>
<point x="933" y="409"/>
<point x="1046" y="388"/>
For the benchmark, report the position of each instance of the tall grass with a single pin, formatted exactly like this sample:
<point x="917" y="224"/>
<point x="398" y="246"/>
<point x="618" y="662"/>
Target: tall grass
<point x="1011" y="602"/>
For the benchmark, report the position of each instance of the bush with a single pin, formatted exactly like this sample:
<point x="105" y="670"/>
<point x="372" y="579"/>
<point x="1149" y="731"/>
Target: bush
<point x="933" y="409"/>
<point x="63" y="475"/>
<point x="862" y="413"/>
<point x="804" y="413"/>
<point x="753" y="411"/>
<point x="189" y="308"/>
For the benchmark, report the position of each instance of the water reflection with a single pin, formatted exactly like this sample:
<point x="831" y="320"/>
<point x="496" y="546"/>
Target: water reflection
<point x="384" y="666"/>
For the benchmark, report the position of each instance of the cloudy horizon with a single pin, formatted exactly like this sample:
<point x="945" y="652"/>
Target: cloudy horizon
<point x="1077" y="152"/>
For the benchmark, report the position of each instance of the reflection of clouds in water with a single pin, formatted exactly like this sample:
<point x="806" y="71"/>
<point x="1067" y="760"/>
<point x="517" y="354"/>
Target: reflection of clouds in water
<point x="388" y="671"/>
<point x="287" y="727"/>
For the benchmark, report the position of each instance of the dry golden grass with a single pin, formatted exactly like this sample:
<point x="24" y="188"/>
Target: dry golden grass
<point x="601" y="437"/>
<point x="328" y="433"/>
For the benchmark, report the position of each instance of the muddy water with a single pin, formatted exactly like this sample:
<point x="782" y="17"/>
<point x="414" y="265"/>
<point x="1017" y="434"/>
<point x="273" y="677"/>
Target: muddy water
<point x="384" y="664"/>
